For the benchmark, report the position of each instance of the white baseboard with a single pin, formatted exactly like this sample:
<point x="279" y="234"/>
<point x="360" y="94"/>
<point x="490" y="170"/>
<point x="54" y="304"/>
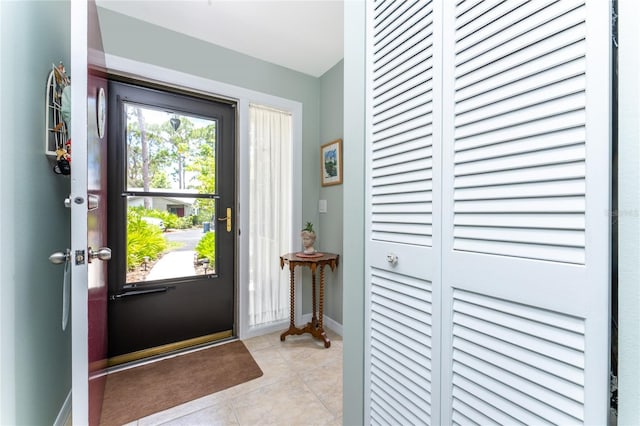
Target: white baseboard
<point x="328" y="322"/>
<point x="284" y="324"/>
<point x="65" y="412"/>
<point x="335" y="326"/>
<point x="262" y="330"/>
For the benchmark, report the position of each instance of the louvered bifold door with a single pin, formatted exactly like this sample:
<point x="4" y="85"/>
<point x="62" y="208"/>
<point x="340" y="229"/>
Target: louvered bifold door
<point x="403" y="240"/>
<point x="526" y="166"/>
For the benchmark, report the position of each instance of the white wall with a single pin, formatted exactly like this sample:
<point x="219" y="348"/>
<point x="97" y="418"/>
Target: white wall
<point x="629" y="214"/>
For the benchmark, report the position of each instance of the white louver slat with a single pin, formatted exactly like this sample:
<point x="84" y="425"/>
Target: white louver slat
<point x="402" y="163"/>
<point x="503" y="375"/>
<point x="508" y="134"/>
<point x="525" y="195"/>
<point x="402" y="106"/>
<point x="400" y="354"/>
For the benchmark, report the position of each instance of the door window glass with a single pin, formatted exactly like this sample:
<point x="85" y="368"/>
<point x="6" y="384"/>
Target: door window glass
<point x="171" y="194"/>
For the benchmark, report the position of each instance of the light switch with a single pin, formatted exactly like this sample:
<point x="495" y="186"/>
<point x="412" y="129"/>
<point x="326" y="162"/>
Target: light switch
<point x="322" y="206"/>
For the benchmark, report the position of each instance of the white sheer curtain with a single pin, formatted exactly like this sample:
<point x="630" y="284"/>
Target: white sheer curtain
<point x="270" y="213"/>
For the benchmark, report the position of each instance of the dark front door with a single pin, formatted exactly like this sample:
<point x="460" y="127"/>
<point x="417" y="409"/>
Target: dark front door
<point x="171" y="280"/>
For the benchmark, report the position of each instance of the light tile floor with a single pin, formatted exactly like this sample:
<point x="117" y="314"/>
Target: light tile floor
<point x="301" y="385"/>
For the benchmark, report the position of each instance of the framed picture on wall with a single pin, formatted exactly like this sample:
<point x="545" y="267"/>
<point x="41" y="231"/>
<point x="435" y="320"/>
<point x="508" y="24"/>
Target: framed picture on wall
<point x="331" y="163"/>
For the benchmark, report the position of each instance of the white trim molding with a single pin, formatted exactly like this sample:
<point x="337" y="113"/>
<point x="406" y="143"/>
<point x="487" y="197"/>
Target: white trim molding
<point x="169" y="77"/>
<point x="628" y="213"/>
<point x="266" y="329"/>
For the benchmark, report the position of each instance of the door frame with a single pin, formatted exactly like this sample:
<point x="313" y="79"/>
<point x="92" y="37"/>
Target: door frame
<point x="152" y="73"/>
<point x="88" y="331"/>
<point x="79" y="296"/>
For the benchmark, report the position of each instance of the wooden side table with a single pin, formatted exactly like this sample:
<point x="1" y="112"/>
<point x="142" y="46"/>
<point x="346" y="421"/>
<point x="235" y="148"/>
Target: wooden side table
<point x="314" y="327"/>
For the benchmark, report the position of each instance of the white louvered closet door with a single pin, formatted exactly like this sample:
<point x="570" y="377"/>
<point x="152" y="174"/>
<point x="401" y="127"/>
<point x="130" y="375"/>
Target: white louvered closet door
<point x="488" y="167"/>
<point x="525" y="225"/>
<point x="403" y="158"/>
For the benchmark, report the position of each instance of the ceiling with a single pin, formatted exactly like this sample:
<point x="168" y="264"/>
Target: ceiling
<point x="303" y="35"/>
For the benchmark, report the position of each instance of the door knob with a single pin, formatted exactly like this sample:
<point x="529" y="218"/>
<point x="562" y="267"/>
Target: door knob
<point x="94" y="202"/>
<point x="60" y="257"/>
<point x="103" y="253"/>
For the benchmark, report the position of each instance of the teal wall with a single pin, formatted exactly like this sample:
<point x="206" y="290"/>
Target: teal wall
<point x="36" y="353"/>
<point x="353" y="218"/>
<point x="330" y="223"/>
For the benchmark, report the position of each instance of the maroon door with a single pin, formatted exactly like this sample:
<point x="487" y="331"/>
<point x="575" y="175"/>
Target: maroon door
<point x="88" y="213"/>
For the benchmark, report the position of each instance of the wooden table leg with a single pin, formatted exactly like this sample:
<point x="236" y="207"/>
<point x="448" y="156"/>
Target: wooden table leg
<point x="314" y="318"/>
<point x="292" y="328"/>
<point x="322" y="333"/>
<point x="315" y="327"/>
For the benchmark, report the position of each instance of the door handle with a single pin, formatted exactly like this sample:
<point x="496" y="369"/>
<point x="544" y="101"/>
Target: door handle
<point x="93" y="203"/>
<point x="103" y="253"/>
<point x="139" y="292"/>
<point x="60" y="257"/>
<point x="228" y="219"/>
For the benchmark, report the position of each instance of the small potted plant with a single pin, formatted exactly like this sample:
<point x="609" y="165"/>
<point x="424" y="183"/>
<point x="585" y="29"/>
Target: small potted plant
<point x="308" y="236"/>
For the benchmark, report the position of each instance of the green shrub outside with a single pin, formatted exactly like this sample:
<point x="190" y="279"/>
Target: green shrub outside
<point x="143" y="239"/>
<point x="171" y="220"/>
<point x="204" y="215"/>
<point x="185" y="222"/>
<point x="207" y="247"/>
